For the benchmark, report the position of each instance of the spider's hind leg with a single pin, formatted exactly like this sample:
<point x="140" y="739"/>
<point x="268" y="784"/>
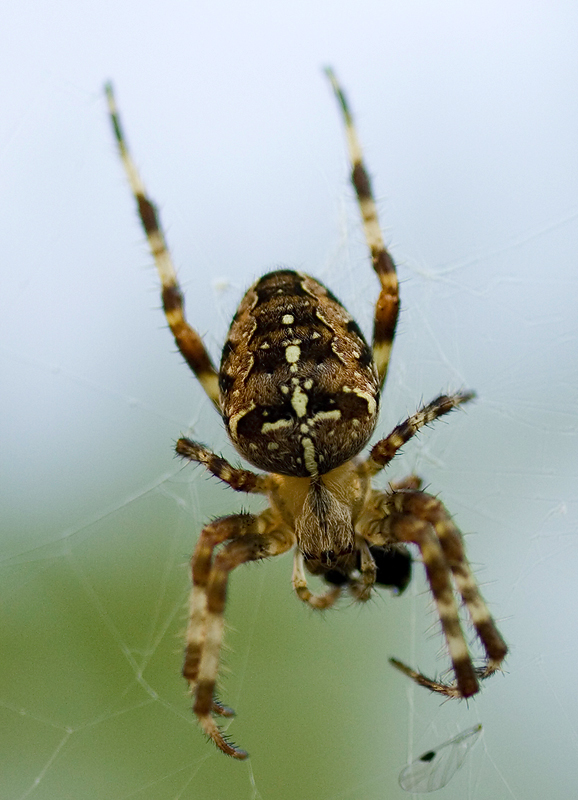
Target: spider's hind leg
<point x="187" y="339"/>
<point x="387" y="306"/>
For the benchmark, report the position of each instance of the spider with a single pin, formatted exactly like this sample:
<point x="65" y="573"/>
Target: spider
<point x="298" y="389"/>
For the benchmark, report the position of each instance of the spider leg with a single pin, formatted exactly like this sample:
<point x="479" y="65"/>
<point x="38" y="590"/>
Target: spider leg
<point x="188" y="340"/>
<point x="319" y="601"/>
<point x="431" y="509"/>
<point x="414" y="516"/>
<point x="387" y="307"/>
<point x="403" y="525"/>
<point x="422" y="680"/>
<point x="362" y="587"/>
<point x="409" y="482"/>
<point x="245" y="537"/>
<point x="241" y="480"/>
<point x="384" y="451"/>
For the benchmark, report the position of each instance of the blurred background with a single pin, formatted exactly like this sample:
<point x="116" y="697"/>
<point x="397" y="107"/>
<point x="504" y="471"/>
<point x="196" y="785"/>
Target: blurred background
<point x="468" y="116"/>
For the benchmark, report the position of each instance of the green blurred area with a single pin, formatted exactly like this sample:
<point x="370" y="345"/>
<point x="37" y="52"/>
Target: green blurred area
<point x="91" y="665"/>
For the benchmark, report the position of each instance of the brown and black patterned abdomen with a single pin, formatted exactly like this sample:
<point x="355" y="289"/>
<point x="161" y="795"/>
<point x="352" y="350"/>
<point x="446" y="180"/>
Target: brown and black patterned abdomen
<point x="299" y="388"/>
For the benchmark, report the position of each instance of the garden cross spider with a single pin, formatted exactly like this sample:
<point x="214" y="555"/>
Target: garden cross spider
<point x="298" y="390"/>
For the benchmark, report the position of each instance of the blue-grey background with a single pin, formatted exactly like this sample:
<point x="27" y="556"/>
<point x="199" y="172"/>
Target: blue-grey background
<point x="468" y="115"/>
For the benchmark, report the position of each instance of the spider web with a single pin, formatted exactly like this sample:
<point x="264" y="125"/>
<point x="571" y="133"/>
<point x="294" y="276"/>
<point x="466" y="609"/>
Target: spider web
<point x="99" y="520"/>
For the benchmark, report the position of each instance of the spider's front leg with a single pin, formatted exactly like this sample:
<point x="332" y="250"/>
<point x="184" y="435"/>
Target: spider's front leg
<point x="416" y="517"/>
<point x="187" y="339"/>
<point x="432" y="511"/>
<point x="245" y="537"/>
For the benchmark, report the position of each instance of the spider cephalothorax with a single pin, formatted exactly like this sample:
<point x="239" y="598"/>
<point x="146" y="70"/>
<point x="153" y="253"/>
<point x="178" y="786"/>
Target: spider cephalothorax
<point x="298" y="390"/>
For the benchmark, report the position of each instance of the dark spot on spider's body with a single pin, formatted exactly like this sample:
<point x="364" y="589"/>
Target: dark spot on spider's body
<point x="283" y="281"/>
<point x="250" y="425"/>
<point x="393" y="568"/>
<point x="225" y="382"/>
<point x="267" y="361"/>
<point x="336" y="578"/>
<point x="353" y="327"/>
<point x="366" y="357"/>
<point x="351" y="406"/>
<point x="228" y="348"/>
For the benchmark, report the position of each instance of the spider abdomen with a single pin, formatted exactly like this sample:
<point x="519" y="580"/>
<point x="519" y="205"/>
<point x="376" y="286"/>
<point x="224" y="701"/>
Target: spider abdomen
<point x="299" y="387"/>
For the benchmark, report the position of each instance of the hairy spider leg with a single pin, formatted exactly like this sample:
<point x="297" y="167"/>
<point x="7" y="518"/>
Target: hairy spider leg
<point x="387" y="306"/>
<point x="412" y="516"/>
<point x="245" y="537"/>
<point x="385" y="450"/>
<point x="432" y="510"/>
<point x="241" y="480"/>
<point x="187" y="339"/>
<point x="319" y="601"/>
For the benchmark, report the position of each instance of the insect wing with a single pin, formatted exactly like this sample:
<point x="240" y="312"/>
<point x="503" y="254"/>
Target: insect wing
<point x="435" y="768"/>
